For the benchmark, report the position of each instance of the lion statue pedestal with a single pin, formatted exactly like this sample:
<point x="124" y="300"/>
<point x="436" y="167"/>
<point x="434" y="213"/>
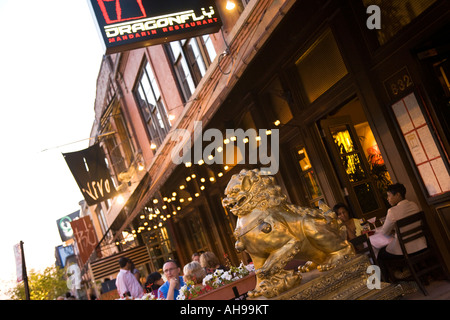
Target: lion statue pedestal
<point x="347" y="281"/>
<point x="273" y="232"/>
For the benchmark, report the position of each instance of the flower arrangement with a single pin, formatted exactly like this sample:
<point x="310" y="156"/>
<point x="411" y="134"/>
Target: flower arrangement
<point x="215" y="280"/>
<point x="146" y="296"/>
<point x="190" y="291"/>
<point x="149" y="296"/>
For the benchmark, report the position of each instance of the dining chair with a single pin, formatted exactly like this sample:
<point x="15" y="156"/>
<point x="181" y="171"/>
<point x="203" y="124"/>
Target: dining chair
<point x="363" y="245"/>
<point x="426" y="261"/>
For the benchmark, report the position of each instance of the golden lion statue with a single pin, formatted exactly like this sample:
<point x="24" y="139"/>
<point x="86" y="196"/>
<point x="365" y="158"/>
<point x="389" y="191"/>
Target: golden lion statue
<point x="273" y="232"/>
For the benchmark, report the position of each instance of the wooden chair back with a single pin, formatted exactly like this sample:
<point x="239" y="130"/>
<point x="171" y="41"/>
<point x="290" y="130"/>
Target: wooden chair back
<point x="363" y="245"/>
<point x="425" y="261"/>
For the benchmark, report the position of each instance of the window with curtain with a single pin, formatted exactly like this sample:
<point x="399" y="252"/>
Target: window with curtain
<point x="321" y="66"/>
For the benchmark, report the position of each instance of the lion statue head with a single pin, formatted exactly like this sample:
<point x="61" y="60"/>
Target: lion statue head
<point x="249" y="190"/>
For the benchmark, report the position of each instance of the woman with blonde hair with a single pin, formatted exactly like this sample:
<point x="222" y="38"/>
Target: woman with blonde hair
<point x="194" y="272"/>
<point x="210" y="262"/>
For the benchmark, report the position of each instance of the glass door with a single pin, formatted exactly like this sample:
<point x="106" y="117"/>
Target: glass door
<point x="159" y="247"/>
<point x="358" y="177"/>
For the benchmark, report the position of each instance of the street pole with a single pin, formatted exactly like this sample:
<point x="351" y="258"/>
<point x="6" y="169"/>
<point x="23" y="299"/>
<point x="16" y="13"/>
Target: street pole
<point x="24" y="273"/>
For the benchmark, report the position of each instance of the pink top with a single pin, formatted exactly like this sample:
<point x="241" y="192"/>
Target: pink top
<point x="126" y="282"/>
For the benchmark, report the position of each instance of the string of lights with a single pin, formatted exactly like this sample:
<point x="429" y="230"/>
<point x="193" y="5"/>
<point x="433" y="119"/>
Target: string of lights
<point x="160" y="209"/>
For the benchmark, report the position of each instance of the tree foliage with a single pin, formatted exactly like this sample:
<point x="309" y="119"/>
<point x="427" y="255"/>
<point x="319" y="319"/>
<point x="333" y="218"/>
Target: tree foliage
<point x="45" y="285"/>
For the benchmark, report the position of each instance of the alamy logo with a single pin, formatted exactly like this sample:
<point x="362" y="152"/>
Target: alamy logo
<point x="374" y="20"/>
<point x="236" y="147"/>
<point x="374" y="278"/>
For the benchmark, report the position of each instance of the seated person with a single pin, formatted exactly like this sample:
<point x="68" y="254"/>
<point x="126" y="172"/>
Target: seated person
<point x="400" y="209"/>
<point x="170" y="289"/>
<point x="353" y="226"/>
<point x="154" y="281"/>
<point x="194" y="272"/>
<point x="210" y="262"/>
<point x="196" y="257"/>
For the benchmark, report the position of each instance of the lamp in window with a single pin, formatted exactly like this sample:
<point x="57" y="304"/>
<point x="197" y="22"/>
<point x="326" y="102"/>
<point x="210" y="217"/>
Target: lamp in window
<point x="153" y="146"/>
<point x="230" y="5"/>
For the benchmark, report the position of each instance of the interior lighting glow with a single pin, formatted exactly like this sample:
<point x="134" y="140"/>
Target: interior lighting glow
<point x="230" y="5"/>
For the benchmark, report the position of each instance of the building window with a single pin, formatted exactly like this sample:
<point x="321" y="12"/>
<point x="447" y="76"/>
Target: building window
<point x="150" y="101"/>
<point x="308" y="177"/>
<point x="396" y="14"/>
<point x="117" y="139"/>
<point x="159" y="246"/>
<point x="190" y="59"/>
<point x="102" y="221"/>
<point x="321" y="66"/>
<point x="278" y="102"/>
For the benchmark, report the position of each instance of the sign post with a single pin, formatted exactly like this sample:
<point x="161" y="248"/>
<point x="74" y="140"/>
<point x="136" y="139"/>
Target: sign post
<point x="21" y="268"/>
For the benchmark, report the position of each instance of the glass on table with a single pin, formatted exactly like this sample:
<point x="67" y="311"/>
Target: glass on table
<point x="372" y="222"/>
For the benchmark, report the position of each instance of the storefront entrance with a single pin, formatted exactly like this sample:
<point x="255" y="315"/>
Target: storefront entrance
<point x="357" y="160"/>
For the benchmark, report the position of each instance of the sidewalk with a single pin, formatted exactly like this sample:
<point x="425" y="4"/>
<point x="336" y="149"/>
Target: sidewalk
<point x="437" y="290"/>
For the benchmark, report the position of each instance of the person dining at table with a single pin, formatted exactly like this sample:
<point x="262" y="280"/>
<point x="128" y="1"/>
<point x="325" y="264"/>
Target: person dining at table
<point x="193" y="274"/>
<point x="353" y="226"/>
<point x="210" y="262"/>
<point x="400" y="209"/>
<point x="171" y="288"/>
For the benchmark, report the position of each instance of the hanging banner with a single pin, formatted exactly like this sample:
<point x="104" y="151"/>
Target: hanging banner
<point x="19" y="263"/>
<point x="131" y="24"/>
<point x="91" y="174"/>
<point x="64" y="227"/>
<point x="85" y="237"/>
<point x="62" y="253"/>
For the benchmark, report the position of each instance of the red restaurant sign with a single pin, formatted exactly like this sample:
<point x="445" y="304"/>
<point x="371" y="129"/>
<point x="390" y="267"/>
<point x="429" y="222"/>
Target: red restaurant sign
<point x="131" y="24"/>
<point x="85" y="237"/>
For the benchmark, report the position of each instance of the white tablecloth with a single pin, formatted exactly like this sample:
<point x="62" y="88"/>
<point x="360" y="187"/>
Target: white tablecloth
<point x="379" y="240"/>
